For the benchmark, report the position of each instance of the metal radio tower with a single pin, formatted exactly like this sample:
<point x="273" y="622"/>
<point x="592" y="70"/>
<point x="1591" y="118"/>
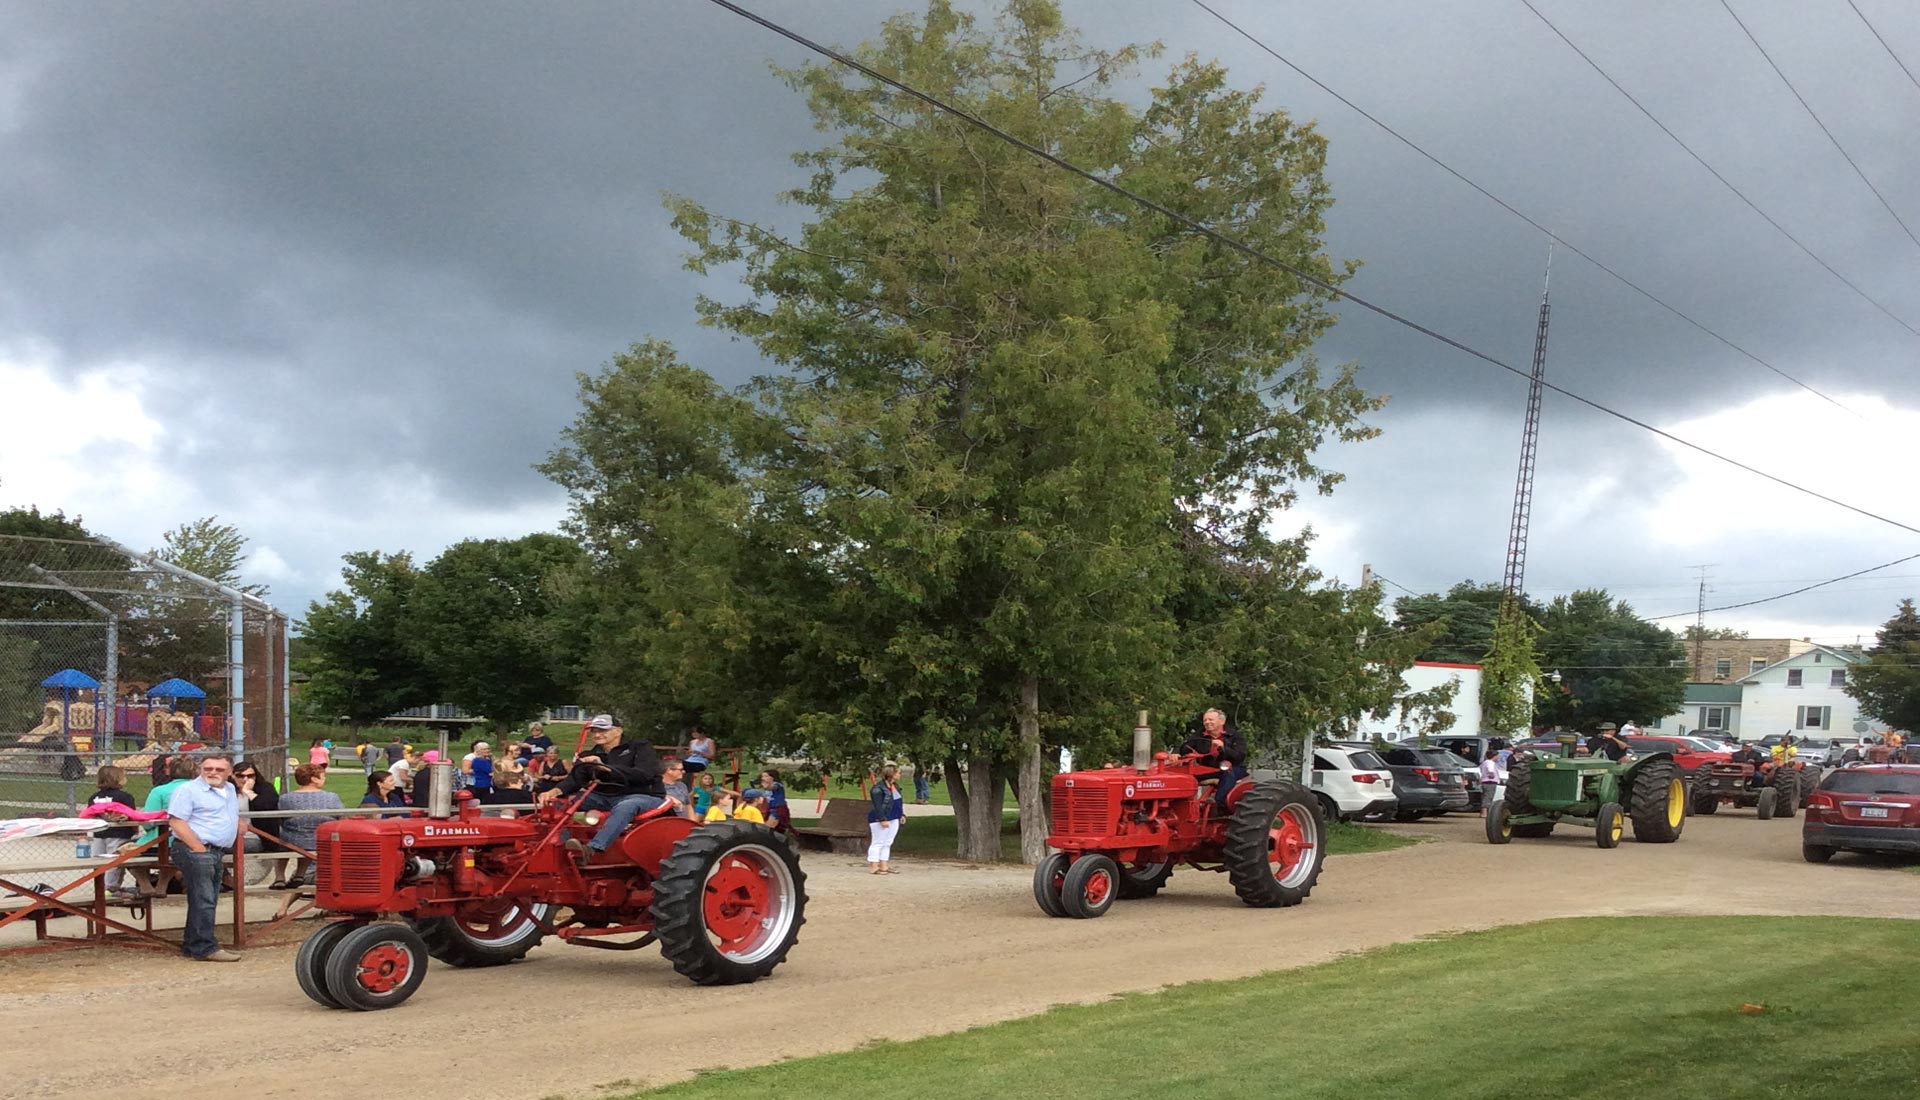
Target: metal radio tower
<point x="1516" y="574"/>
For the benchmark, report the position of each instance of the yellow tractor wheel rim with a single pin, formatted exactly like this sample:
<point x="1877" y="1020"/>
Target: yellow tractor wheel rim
<point x="1676" y="803"/>
<point x="1614" y="831"/>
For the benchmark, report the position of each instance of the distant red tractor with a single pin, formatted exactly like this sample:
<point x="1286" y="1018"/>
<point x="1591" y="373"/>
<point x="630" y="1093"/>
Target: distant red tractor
<point x="724" y="900"/>
<point x="1121" y="831"/>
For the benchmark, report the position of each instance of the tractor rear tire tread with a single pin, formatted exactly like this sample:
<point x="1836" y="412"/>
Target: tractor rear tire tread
<point x="679" y="916"/>
<point x="1245" y="853"/>
<point x="450" y="943"/>
<point x="1648" y="799"/>
<point x="1144" y="882"/>
<point x="1519" y="782"/>
<point x="1786" y="786"/>
<point x="1534" y="830"/>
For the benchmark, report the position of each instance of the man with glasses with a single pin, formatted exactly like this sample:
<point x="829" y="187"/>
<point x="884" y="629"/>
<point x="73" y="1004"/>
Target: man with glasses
<point x="204" y="815"/>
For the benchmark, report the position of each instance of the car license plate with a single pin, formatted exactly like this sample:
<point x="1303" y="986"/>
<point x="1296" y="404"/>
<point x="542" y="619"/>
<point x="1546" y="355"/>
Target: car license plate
<point x="1873" y="811"/>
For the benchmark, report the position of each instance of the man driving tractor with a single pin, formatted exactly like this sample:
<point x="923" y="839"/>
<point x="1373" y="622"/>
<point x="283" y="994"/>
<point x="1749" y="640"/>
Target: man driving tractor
<point x="1221" y="747"/>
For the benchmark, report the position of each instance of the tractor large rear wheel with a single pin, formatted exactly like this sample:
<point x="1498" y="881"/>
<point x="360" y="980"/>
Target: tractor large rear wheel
<point x="1706" y="800"/>
<point x="1519" y="782"/>
<point x="1276" y="844"/>
<point x="1786" y="787"/>
<point x="1657" y="803"/>
<point x="729" y="903"/>
<point x="1143" y="880"/>
<point x="491" y="933"/>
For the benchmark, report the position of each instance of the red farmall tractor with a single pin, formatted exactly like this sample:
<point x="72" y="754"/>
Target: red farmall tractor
<point x="724" y="900"/>
<point x="1120" y="832"/>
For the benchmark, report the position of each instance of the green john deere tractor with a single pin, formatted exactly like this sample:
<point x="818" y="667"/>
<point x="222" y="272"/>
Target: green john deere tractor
<point x="1593" y="792"/>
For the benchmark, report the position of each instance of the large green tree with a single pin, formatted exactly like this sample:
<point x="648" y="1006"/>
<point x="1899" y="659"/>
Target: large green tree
<point x="1887" y="683"/>
<point x="1017" y="476"/>
<point x="1466" y="616"/>
<point x="361" y="662"/>
<point x="1613" y="665"/>
<point x="486" y="617"/>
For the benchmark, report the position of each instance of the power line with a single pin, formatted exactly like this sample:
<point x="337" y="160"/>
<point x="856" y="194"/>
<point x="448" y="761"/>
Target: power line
<point x="1298" y="273"/>
<point x="1728" y="184"/>
<point x="1509" y="207"/>
<point x="1844" y="155"/>
<point x="1884" y="44"/>
<point x="1795" y="592"/>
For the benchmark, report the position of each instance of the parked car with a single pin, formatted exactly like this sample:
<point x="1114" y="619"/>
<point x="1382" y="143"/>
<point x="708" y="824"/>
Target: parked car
<point x="1690" y="758"/>
<point x="1427" y="783"/>
<point x="1871" y="808"/>
<point x="1470" y="772"/>
<point x="1468" y="747"/>
<point x="1846" y="750"/>
<point x="1353" y="784"/>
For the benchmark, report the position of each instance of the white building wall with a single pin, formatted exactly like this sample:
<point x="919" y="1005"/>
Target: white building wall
<point x="1687" y="719"/>
<point x="1424" y="676"/>
<point x="1769" y="706"/>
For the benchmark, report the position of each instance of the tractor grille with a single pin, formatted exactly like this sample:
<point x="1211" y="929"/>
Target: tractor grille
<point x="351" y="866"/>
<point x="1084" y="811"/>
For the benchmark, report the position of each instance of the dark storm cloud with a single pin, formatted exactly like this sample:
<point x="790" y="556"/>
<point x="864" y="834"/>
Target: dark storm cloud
<point x="370" y="239"/>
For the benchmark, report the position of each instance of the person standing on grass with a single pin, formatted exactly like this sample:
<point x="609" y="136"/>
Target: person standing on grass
<point x="888" y="808"/>
<point x="310" y="794"/>
<point x="204" y="816"/>
<point x="479" y="769"/>
<point x="922" y="785"/>
<point x="319" y="752"/>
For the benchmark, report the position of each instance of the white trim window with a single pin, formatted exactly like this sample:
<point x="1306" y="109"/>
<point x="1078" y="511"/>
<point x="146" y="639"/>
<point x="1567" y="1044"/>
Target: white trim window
<point x="1837" y="678"/>
<point x="1713" y="718"/>
<point x="1794" y="678"/>
<point x="1813" y="718"/>
<point x="1755" y="664"/>
<point x="1723" y="668"/>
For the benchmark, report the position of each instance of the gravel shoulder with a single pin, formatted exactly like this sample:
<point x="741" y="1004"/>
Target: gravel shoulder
<point x="937" y="948"/>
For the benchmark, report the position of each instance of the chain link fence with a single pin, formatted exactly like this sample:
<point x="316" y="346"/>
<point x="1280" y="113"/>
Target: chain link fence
<point x="112" y="656"/>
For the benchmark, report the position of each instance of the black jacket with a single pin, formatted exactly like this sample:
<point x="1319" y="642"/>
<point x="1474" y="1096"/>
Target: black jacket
<point x="1233" y="748"/>
<point x="630" y="767"/>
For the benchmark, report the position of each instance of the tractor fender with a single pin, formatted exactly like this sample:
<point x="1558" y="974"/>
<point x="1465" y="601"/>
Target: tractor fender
<point x="649" y="843"/>
<point x="1641" y="762"/>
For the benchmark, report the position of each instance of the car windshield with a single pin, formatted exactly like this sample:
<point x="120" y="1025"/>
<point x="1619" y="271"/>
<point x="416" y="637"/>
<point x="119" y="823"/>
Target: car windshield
<point x="1860" y="781"/>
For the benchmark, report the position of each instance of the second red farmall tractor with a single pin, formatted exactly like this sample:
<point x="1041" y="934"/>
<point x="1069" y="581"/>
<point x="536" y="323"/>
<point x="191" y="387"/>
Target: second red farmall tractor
<point x="724" y="900"/>
<point x="1119" y="832"/>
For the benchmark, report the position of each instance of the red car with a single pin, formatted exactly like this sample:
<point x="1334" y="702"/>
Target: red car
<point x="1684" y="753"/>
<point x="1875" y="808"/>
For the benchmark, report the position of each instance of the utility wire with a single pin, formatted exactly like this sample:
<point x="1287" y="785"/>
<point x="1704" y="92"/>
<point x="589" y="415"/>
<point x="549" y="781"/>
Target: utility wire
<point x="1298" y="273"/>
<point x="1883" y="43"/>
<point x="1507" y="206"/>
<point x="1795" y="592"/>
<point x="1844" y="155"/>
<point x="1728" y="184"/>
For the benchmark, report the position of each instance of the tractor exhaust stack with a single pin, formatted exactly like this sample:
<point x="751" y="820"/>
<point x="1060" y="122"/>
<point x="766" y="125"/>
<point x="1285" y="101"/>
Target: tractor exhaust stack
<point x="1142" y="744"/>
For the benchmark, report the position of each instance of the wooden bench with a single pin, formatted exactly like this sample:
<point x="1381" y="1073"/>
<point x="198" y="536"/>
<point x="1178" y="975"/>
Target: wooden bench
<point x="842" y="829"/>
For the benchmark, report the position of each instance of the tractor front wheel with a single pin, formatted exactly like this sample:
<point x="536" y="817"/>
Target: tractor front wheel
<point x="1091" y="885"/>
<point x="1658" y="799"/>
<point x="1499" y="824"/>
<point x="1143" y="880"/>
<point x="491" y="933"/>
<point x="729" y="903"/>
<point x="310" y="962"/>
<point x="1705" y="799"/>
<point x="1763" y="809"/>
<point x="1608" y="824"/>
<point x="1276" y="845"/>
<point x="376" y="966"/>
<point x="1048" y="878"/>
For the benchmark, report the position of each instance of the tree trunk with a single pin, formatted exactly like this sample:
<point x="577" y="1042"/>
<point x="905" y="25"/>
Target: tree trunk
<point x="976" y="794"/>
<point x="962" y="800"/>
<point x="1033" y="820"/>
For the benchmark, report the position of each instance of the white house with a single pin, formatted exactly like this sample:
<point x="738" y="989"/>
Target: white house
<point x="1805" y="693"/>
<point x="1424" y="676"/>
<point x="1706" y="707"/>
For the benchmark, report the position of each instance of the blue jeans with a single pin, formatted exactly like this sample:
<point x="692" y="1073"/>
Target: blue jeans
<point x="1228" y="779"/>
<point x="201" y="872"/>
<point x="621" y="816"/>
<point x="922" y="786"/>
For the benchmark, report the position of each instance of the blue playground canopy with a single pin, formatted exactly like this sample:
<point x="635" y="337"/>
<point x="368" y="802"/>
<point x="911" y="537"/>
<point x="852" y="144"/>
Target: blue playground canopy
<point x="175" y="688"/>
<point x="71" y="678"/>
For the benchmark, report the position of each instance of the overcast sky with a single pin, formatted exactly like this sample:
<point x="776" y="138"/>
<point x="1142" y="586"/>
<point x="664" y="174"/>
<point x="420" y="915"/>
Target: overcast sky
<point x="328" y="270"/>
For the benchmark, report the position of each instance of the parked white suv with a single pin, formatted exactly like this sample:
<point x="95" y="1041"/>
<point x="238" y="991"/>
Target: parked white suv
<point x="1353" y="784"/>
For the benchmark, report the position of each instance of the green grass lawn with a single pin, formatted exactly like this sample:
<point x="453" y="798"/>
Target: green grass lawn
<point x="1601" y="1009"/>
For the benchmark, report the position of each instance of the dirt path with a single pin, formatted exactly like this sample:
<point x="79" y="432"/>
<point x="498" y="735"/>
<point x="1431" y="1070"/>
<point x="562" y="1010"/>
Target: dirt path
<point x="936" y="948"/>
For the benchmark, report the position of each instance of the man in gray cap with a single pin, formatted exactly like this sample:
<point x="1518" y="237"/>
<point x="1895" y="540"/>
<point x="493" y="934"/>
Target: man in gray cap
<point x="621" y="770"/>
